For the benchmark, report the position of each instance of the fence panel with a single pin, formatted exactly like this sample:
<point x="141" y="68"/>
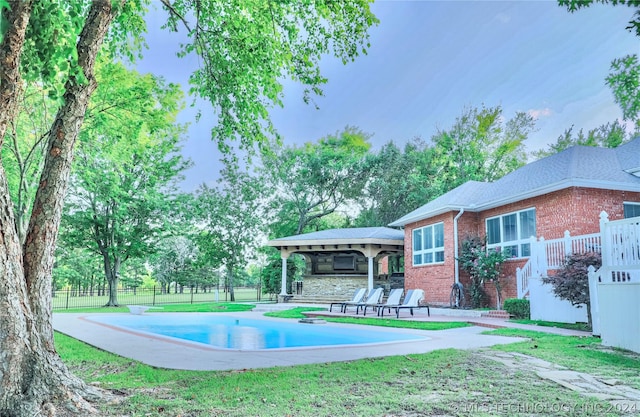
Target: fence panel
<point x="71" y="299"/>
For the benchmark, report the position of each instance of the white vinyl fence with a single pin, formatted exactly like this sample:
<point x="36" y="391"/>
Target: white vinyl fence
<point x="545" y="305"/>
<point x="615" y="287"/>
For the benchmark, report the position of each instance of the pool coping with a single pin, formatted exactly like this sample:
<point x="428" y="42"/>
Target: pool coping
<point x="155" y="351"/>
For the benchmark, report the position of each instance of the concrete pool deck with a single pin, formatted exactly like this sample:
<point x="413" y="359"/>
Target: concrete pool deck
<point x="175" y="354"/>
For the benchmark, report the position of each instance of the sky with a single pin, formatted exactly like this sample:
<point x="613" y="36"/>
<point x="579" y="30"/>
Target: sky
<point x="428" y="62"/>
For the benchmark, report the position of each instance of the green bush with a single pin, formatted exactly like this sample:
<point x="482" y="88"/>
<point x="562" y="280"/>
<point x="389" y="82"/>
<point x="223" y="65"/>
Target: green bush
<point x="518" y="308"/>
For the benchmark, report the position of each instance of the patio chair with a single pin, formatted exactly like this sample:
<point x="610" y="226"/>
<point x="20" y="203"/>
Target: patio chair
<point x="358" y="296"/>
<point x="374" y="298"/>
<point x="412" y="303"/>
<point x="389" y="306"/>
<point x="392" y="300"/>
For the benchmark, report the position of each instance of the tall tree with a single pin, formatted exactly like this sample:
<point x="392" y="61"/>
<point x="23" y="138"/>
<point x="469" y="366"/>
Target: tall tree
<point x="609" y="135"/>
<point x="33" y="373"/>
<point x="245" y="60"/>
<point x="23" y="151"/>
<point x="399" y="182"/>
<point x="624" y="81"/>
<point x="480" y="146"/>
<point x="173" y="260"/>
<point x="313" y="181"/>
<point x="234" y="216"/>
<point x="126" y="168"/>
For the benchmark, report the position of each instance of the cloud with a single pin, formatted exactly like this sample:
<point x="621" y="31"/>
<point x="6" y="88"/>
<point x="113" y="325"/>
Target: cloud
<point x="538" y="113"/>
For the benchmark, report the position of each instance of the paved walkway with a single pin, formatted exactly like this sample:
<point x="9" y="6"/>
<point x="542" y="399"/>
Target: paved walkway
<point x="620" y="397"/>
<point x="178" y="354"/>
<point x="164" y="353"/>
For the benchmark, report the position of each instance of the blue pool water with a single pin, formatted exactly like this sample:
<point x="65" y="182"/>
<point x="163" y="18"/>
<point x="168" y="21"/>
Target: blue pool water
<point x="249" y="334"/>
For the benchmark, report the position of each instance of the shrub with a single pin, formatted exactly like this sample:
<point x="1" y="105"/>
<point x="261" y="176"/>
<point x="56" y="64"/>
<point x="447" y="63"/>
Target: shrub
<point x="483" y="265"/>
<point x="518" y="308"/>
<point x="571" y="282"/>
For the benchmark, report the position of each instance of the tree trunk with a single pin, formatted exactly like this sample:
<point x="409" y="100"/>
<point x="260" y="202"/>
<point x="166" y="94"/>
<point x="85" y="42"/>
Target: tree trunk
<point x="33" y="376"/>
<point x="112" y="273"/>
<point x="232" y="296"/>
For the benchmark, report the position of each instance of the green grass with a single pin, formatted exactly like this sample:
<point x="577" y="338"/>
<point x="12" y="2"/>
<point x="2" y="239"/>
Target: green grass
<point x="445" y="382"/>
<point x="293" y="313"/>
<point x="296" y="313"/>
<point x="171" y="308"/>
<point x="571" y="326"/>
<point x="61" y="302"/>
<point x="583" y="354"/>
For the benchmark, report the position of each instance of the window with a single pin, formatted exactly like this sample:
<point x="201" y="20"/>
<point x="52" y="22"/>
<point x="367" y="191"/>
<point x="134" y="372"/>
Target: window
<point x="428" y="245"/>
<point x="511" y="232"/>
<point x="631" y="210"/>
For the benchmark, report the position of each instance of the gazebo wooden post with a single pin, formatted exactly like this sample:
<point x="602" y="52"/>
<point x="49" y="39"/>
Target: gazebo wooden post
<point x="283" y="297"/>
<point x="283" y="289"/>
<point x="370" y="273"/>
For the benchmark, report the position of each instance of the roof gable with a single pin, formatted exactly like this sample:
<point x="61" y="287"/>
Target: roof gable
<point x="578" y="166"/>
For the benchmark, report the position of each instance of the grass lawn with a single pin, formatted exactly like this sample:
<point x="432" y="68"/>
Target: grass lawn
<point x="296" y="313"/>
<point x="172" y="308"/>
<point x="573" y="326"/>
<point x="446" y="382"/>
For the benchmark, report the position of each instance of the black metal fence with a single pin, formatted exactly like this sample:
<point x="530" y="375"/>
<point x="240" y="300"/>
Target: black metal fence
<point x="70" y="299"/>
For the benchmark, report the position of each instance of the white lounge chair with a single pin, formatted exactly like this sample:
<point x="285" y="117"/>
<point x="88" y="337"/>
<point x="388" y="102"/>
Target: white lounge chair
<point x="412" y="302"/>
<point x="358" y="296"/>
<point x="392" y="301"/>
<point x="373" y="298"/>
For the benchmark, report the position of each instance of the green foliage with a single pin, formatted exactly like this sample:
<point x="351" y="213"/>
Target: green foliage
<point x="394" y="384"/>
<point x="249" y="46"/>
<point x="571" y="282"/>
<point x="518" y="308"/>
<point x="634" y="24"/>
<point x="23" y="150"/>
<point x="399" y="182"/>
<point x="50" y="54"/>
<point x="624" y="81"/>
<point x="271" y="273"/>
<point x="315" y="180"/>
<point x="480" y="146"/>
<point x="609" y="135"/>
<point x="233" y="217"/>
<point x="125" y="169"/>
<point x="625" y="75"/>
<point x="483" y="266"/>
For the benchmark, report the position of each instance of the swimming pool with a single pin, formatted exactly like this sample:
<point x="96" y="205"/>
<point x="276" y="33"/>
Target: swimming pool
<point x="228" y="332"/>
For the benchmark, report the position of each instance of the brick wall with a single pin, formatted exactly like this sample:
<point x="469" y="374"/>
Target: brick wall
<point x="435" y="280"/>
<point x="574" y="209"/>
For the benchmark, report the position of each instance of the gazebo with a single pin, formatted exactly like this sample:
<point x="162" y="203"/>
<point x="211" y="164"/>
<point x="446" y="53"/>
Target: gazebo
<point x="339" y="260"/>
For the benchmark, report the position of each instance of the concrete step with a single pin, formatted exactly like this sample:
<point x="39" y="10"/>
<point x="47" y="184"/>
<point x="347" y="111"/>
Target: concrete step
<point x="496" y="314"/>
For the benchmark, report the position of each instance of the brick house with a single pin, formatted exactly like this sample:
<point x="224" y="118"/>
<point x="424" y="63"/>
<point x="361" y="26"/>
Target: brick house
<point x="563" y="192"/>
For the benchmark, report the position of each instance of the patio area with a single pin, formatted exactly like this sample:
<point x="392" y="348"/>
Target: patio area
<point x="177" y="354"/>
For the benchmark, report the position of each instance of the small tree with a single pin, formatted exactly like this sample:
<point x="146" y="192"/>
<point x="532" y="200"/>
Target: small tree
<point x="571" y="282"/>
<point x="483" y="265"/>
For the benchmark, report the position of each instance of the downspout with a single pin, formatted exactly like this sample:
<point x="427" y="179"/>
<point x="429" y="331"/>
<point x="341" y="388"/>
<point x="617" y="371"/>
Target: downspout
<point x="456" y="271"/>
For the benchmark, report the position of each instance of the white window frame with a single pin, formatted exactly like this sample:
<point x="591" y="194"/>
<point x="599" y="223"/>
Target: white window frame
<point x="523" y="243"/>
<point x="629" y="203"/>
<point x="424" y="252"/>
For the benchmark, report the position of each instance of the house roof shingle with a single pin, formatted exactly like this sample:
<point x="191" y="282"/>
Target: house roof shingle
<point x="578" y="166"/>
